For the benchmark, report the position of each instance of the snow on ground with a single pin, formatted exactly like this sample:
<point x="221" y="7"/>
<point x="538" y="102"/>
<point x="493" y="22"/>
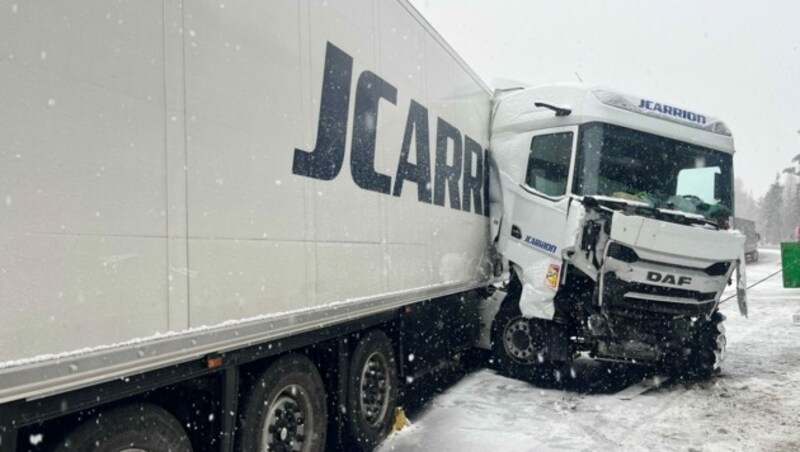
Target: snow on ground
<point x="753" y="405"/>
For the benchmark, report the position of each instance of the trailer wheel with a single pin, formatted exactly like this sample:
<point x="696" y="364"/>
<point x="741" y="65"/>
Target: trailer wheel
<point x="371" y="390"/>
<point x="140" y="427"/>
<point x="518" y="345"/>
<point x="285" y="410"/>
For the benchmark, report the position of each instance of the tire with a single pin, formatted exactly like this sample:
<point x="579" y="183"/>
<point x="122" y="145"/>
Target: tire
<point x="706" y="352"/>
<point x="371" y="390"/>
<point x="518" y="345"/>
<point x="285" y="408"/>
<point x="141" y="426"/>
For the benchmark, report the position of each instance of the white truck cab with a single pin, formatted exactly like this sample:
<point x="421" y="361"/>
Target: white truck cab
<point x="614" y="212"/>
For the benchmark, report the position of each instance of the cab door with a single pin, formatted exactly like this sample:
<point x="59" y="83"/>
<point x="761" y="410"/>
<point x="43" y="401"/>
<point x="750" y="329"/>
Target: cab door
<point x="539" y="213"/>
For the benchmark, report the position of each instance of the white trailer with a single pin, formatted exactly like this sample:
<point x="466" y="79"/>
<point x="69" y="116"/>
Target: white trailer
<point x="286" y="198"/>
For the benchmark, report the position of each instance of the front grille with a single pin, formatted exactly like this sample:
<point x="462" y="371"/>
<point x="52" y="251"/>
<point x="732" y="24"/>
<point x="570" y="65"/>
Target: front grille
<point x="630" y="299"/>
<point x="650" y="289"/>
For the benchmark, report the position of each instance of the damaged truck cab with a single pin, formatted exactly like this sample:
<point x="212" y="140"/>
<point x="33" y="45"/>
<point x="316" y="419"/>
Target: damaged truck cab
<point x="614" y="213"/>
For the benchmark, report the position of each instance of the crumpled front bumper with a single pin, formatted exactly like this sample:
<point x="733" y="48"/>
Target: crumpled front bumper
<point x="668" y="269"/>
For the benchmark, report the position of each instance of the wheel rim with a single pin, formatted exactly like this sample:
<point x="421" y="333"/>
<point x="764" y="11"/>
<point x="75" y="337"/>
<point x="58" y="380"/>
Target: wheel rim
<point x="519" y="342"/>
<point x="288" y="424"/>
<point x="375" y="389"/>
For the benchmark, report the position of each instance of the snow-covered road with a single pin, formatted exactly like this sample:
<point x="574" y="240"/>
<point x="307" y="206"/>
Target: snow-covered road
<point x="753" y="405"/>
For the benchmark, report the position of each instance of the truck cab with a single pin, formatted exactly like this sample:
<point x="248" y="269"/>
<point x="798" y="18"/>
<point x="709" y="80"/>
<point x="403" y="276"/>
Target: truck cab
<point x="614" y="212"/>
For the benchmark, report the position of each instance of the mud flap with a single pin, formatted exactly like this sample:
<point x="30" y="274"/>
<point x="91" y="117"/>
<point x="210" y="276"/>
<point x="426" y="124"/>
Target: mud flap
<point x="741" y="284"/>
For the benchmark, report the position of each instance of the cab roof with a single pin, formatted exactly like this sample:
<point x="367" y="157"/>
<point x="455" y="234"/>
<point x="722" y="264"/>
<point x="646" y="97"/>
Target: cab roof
<point x="549" y="106"/>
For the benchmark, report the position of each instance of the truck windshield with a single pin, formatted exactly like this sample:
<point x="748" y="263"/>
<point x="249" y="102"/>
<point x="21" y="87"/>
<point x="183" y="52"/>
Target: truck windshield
<point x="664" y="173"/>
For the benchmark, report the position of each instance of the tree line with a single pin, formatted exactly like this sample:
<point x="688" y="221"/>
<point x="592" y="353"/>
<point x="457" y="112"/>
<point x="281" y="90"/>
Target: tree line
<point x="777" y="213"/>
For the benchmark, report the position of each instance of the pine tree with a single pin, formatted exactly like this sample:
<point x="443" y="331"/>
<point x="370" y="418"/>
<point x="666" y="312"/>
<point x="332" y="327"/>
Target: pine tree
<point x="791" y="196"/>
<point x="745" y="205"/>
<point x="771" y="208"/>
<point x="794" y="169"/>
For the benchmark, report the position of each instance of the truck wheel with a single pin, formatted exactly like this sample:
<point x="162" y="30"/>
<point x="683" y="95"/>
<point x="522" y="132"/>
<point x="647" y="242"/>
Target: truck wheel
<point x="141" y="426"/>
<point x="707" y="351"/>
<point x="518" y="345"/>
<point x="285" y="409"/>
<point x="371" y="390"/>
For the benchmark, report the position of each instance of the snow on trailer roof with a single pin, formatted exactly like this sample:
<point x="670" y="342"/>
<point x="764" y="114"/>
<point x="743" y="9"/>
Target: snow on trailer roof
<point x="574" y="103"/>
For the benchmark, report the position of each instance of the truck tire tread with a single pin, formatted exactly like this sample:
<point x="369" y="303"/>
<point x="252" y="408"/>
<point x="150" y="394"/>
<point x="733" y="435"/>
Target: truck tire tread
<point x="543" y="373"/>
<point x="142" y="426"/>
<point x="294" y="379"/>
<point x="373" y="345"/>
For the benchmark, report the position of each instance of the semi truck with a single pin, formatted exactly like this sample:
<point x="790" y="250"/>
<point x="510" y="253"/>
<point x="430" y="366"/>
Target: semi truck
<point x="249" y="226"/>
<point x="232" y="226"/>
<point x="748" y="228"/>
<point x="615" y="212"/>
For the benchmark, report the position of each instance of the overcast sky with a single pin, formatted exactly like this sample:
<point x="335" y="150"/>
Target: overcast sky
<point x="737" y="60"/>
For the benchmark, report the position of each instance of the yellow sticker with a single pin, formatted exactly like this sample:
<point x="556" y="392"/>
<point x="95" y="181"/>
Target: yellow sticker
<point x="551" y="278"/>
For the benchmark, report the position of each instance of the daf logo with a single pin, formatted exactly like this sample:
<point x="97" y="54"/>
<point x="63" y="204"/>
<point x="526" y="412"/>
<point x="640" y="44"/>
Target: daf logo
<point x="666" y="278"/>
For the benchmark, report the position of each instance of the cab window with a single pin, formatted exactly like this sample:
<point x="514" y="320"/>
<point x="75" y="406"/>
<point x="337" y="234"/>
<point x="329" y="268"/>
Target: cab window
<point x="548" y="164"/>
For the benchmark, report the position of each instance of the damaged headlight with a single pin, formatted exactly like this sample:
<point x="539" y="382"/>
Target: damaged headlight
<point x="622" y="253"/>
<point x="718" y="269"/>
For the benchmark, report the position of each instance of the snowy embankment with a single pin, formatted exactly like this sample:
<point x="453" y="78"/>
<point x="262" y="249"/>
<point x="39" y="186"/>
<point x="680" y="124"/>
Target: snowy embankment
<point x="753" y="405"/>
